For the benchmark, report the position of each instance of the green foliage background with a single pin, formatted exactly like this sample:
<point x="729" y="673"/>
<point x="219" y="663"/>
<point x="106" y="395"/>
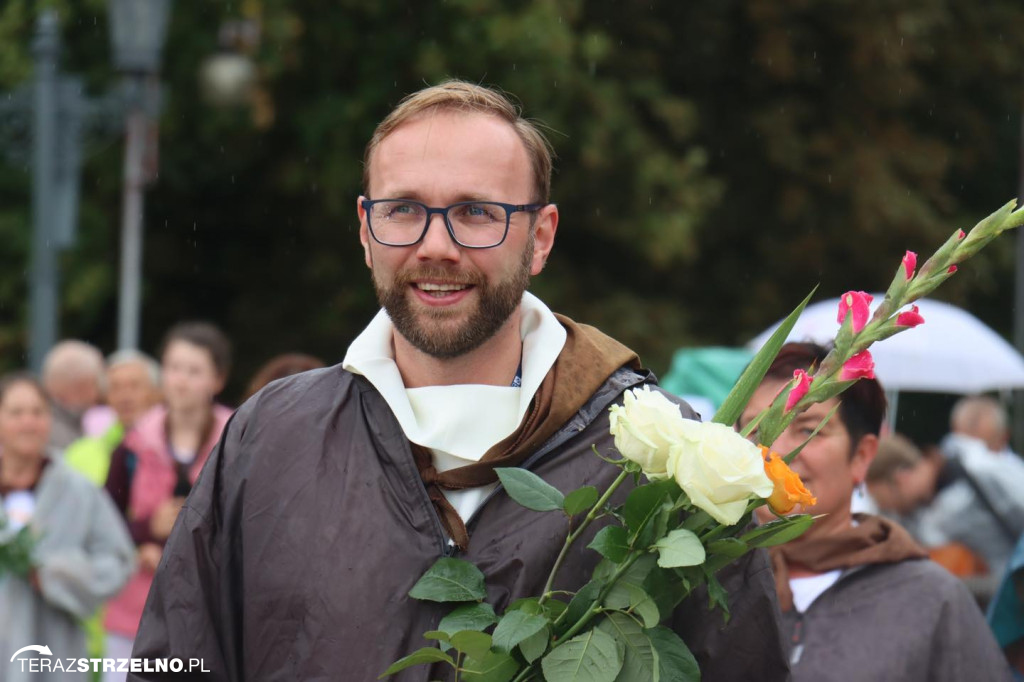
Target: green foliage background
<point x="716" y="159"/>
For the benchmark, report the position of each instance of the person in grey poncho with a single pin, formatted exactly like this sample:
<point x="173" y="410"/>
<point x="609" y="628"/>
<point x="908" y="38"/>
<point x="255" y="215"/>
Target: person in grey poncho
<point x="860" y="600"/>
<point x="82" y="553"/>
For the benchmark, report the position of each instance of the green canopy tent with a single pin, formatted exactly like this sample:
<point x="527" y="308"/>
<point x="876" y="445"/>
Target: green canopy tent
<point x="708" y="372"/>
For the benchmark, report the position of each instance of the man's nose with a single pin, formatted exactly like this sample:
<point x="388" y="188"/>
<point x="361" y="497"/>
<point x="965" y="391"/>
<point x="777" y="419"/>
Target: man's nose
<point x="437" y="243"/>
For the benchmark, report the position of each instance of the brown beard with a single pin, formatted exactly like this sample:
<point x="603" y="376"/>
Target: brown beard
<point x="496" y="303"/>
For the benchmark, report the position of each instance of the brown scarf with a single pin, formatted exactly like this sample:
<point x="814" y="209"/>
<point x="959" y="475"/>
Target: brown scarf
<point x="873" y="540"/>
<point x="586" y="361"/>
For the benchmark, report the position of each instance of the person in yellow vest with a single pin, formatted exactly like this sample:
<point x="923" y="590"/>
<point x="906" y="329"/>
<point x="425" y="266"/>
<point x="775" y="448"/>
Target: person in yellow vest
<point x="133" y="387"/>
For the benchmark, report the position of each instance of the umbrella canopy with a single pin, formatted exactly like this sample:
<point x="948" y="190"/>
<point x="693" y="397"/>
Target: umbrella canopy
<point x="952" y="352"/>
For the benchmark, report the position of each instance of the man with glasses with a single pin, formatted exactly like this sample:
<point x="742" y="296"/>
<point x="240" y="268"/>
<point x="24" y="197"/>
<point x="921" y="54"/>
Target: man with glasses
<point x="333" y="491"/>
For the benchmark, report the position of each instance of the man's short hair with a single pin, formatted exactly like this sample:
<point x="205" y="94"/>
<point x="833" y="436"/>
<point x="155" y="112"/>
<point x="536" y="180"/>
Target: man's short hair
<point x="72" y="360"/>
<point x="205" y="335"/>
<point x="969" y="414"/>
<point x="896" y="452"/>
<point x="458" y="95"/>
<point x="129" y="356"/>
<point x="861" y="407"/>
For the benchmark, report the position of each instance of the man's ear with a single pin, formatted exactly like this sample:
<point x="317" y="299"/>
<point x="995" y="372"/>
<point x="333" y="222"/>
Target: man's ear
<point x="863" y="455"/>
<point x="544" y="229"/>
<point x="364" y="232"/>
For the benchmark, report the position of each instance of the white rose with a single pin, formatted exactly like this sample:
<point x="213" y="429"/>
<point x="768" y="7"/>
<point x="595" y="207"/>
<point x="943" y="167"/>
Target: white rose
<point x="719" y="470"/>
<point x="646" y="426"/>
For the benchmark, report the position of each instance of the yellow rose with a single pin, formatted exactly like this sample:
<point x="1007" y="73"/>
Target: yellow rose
<point x="645" y="427"/>
<point x="719" y="470"/>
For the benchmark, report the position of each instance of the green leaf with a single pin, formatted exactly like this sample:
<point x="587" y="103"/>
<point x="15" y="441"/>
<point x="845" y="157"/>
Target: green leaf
<point x="628" y="590"/>
<point x="680" y="548"/>
<point x="493" y="666"/>
<point x="642" y="506"/>
<point x="779" y="531"/>
<point x="472" y="643"/>
<point x="594" y="656"/>
<point x="717" y="596"/>
<point x="675" y="661"/>
<point x="666" y="589"/>
<point x="530" y="490"/>
<point x="580" y="603"/>
<point x="468" y="617"/>
<point x="440" y="636"/>
<point x="530" y="605"/>
<point x="643" y="605"/>
<point x="697" y="520"/>
<point x="425" y="655"/>
<point x="580" y="500"/>
<point x="534" y="646"/>
<point x="450" y="580"/>
<point x="729" y="547"/>
<point x="611" y="542"/>
<point x="639" y="661"/>
<point x="514" y="627"/>
<point x="553" y="608"/>
<point x="739" y="396"/>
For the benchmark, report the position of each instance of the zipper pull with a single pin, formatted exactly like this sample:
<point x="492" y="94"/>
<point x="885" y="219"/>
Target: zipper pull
<point x="798" y="646"/>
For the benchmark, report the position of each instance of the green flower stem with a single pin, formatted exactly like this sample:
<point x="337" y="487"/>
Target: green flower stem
<point x="594" y="512"/>
<point x="524" y="674"/>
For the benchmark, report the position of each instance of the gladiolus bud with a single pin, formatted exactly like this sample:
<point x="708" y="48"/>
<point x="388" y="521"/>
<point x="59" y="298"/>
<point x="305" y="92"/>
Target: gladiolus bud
<point x="860" y="366"/>
<point x="909" y="264"/>
<point x="909" y="318"/>
<point x="858" y="303"/>
<point x="952" y="269"/>
<point x="803" y="384"/>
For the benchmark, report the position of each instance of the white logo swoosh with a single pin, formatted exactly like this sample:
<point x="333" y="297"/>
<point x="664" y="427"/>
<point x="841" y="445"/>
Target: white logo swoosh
<point x="32" y="647"/>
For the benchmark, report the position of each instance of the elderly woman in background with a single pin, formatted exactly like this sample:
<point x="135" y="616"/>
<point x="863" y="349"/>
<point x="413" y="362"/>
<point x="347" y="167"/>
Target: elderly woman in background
<point x="82" y="553"/>
<point x="859" y="598"/>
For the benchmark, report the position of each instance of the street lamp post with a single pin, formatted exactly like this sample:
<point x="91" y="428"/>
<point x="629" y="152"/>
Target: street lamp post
<point x="139" y="28"/>
<point x="44" y="282"/>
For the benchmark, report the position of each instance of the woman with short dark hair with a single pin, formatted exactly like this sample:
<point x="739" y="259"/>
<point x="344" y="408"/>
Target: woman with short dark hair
<point x="859" y="598"/>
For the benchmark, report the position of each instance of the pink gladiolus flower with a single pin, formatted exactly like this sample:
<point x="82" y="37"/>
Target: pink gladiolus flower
<point x="909" y="318"/>
<point x="952" y="269"/>
<point x="858" y="303"/>
<point x="909" y="264"/>
<point x="803" y="385"/>
<point x="860" y="366"/>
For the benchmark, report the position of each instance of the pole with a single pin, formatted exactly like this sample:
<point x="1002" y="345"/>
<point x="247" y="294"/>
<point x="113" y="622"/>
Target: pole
<point x="43" y="322"/>
<point x="129" y="302"/>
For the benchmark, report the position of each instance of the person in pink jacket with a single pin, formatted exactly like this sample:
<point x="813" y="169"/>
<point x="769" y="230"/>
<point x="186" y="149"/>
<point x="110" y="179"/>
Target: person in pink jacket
<point x="153" y="470"/>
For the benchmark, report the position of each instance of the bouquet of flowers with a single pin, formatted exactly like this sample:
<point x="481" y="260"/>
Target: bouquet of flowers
<point x="673" y="533"/>
<point x="16" y="547"/>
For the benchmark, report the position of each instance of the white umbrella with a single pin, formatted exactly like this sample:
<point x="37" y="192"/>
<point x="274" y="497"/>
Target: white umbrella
<point x="952" y="352"/>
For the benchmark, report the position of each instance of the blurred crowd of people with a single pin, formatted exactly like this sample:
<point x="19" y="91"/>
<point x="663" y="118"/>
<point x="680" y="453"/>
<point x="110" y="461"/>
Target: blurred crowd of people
<point x="96" y="459"/>
<point x="962" y="500"/>
<point x="98" y="455"/>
